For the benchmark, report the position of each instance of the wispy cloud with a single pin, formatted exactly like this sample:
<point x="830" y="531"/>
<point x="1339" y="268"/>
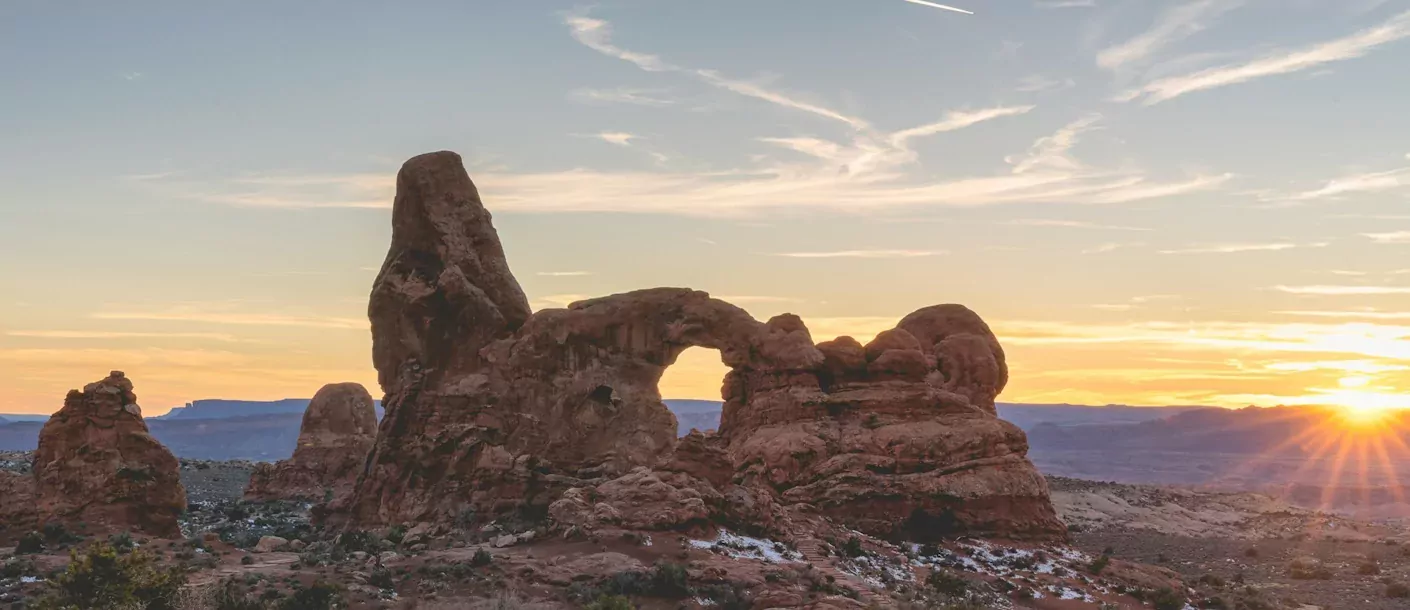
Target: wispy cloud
<point x="635" y="97"/>
<point x="863" y="254"/>
<point x="557" y="301"/>
<point x="1273" y="64"/>
<point x="1052" y="152"/>
<point x="939" y="6"/>
<point x="1111" y="247"/>
<point x="1393" y="237"/>
<point x="1370" y="182"/>
<point x="1236" y="248"/>
<point x="1173" y="25"/>
<point x="739" y="299"/>
<point x="618" y="138"/>
<point x="103" y="335"/>
<point x="1065" y="3"/>
<point x="957" y="120"/>
<point x="1354" y="314"/>
<point x="1344" y="290"/>
<point x="563" y="273"/>
<point x="196" y="314"/>
<point x="1072" y="224"/>
<point x="1034" y="83"/>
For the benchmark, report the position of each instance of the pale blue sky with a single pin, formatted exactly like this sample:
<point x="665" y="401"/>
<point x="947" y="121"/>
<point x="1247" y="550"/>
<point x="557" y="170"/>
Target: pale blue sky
<point x="197" y="191"/>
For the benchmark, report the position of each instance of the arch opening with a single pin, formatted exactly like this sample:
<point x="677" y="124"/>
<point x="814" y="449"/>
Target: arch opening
<point x="692" y="388"/>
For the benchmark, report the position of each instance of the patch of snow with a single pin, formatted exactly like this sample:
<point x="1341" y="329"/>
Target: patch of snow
<point x="29" y="579"/>
<point x="736" y="546"/>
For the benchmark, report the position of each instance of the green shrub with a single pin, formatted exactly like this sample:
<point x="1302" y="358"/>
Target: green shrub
<point x="320" y="596"/>
<point x="396" y="534"/>
<point x="103" y="578"/>
<point x="947" y="583"/>
<point x="1166" y="598"/>
<point x="670" y="580"/>
<point x="853" y="548"/>
<point x="1099" y="564"/>
<point x="481" y="558"/>
<point x="611" y="602"/>
<point x="30" y="544"/>
<point x="357" y="540"/>
<point x="123" y="542"/>
<point x="58" y="534"/>
<point x="231" y="596"/>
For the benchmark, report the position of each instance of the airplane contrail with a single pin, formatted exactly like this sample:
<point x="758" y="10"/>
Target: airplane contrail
<point x="939" y="6"/>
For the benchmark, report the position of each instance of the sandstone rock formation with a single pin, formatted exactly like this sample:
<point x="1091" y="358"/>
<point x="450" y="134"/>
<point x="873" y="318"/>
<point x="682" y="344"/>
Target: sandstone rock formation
<point x="339" y="428"/>
<point x="17" y="514"/>
<point x="97" y="463"/>
<point x="491" y="411"/>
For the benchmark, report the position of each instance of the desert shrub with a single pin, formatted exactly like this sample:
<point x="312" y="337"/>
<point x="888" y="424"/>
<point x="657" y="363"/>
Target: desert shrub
<point x="1215" y="603"/>
<point x="1251" y="552"/>
<point x="1369" y="568"/>
<point x="727" y="596"/>
<point x="30" y="544"/>
<point x="396" y="534"/>
<point x="123" y="542"/>
<point x="670" y="580"/>
<point x="1213" y="580"/>
<point x="103" y="578"/>
<point x="229" y="595"/>
<point x="247" y="560"/>
<point x="1306" y="569"/>
<point x="357" y="540"/>
<point x="853" y="548"/>
<point x="945" y="583"/>
<point x="58" y="534"/>
<point x="611" y="602"/>
<point x="16" y="567"/>
<point x="1166" y="598"/>
<point x="320" y="596"/>
<point x="1099" y="564"/>
<point x="381" y="578"/>
<point x="1397" y="590"/>
<point x="481" y="558"/>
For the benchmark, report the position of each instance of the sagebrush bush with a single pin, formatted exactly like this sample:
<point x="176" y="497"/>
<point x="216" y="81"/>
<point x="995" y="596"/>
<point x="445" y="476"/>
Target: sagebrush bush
<point x="101" y="577"/>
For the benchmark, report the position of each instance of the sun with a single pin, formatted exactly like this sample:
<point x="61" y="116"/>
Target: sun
<point x="1364" y="416"/>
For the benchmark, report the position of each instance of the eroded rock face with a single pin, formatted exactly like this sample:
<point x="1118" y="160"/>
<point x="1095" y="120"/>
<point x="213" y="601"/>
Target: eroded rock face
<point x="494" y="411"/>
<point x="17" y="514"/>
<point x="339" y="428"/>
<point x="98" y="464"/>
<point x="898" y="438"/>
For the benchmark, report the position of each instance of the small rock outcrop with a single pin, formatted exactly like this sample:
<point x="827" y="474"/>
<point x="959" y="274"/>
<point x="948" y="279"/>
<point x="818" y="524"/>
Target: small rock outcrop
<point x="491" y="411"/>
<point x="339" y="428"/>
<point x="98" y="464"/>
<point x="897" y="438"/>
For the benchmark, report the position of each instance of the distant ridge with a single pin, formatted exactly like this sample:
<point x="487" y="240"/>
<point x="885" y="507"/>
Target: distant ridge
<point x="218" y="408"/>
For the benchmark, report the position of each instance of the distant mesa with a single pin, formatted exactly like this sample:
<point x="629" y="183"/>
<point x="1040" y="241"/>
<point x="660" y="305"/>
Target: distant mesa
<point x="493" y="410"/>
<point x="339" y="427"/>
<point x="98" y="464"/>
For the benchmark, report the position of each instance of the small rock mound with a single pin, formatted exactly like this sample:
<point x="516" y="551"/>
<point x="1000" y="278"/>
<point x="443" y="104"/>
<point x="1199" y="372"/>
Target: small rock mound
<point x="339" y="428"/>
<point x="98" y="464"/>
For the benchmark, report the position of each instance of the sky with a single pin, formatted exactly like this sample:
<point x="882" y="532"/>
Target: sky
<point x="1150" y="201"/>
